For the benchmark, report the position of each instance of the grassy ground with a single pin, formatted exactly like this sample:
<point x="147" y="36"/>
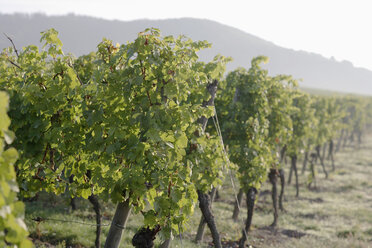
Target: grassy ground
<point x="336" y="214"/>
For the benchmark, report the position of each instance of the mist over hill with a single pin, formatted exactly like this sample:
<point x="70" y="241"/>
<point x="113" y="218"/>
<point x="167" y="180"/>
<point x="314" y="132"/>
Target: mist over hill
<point x="81" y="34"/>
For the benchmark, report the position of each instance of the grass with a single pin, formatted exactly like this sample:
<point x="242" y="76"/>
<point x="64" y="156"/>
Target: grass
<point x="338" y="213"/>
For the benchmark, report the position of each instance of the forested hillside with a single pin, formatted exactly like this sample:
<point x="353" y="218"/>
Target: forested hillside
<point x="81" y="34"/>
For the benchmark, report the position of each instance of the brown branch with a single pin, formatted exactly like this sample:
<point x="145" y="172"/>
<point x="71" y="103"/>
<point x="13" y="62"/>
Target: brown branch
<point x="51" y="159"/>
<point x="58" y="74"/>
<point x="148" y="96"/>
<point x="143" y="71"/>
<point x="14" y="64"/>
<point x="45" y="153"/>
<point x="11" y="41"/>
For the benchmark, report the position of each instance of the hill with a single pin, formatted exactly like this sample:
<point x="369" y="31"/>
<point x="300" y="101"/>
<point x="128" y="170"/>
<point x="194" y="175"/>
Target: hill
<point x="81" y="34"/>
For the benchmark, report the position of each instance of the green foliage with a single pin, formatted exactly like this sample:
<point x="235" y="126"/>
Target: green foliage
<point x="245" y="110"/>
<point x="304" y="123"/>
<point x="322" y="128"/>
<point x="123" y="121"/>
<point x="13" y="231"/>
<point x="356" y="114"/>
<point x="328" y="114"/>
<point x="45" y="109"/>
<point x="280" y="97"/>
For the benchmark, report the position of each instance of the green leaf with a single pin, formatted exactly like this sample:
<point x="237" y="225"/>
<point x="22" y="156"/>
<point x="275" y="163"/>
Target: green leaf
<point x="10" y="156"/>
<point x="181" y="141"/>
<point x="85" y="193"/>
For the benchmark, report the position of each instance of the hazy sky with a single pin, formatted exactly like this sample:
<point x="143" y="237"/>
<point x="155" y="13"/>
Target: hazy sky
<point x="339" y="28"/>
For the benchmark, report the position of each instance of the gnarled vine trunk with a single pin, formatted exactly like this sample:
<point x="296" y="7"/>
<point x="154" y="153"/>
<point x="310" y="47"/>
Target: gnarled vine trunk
<point x="290" y="175"/>
<point x="251" y="197"/>
<point x="200" y="233"/>
<point x="317" y="148"/>
<point x="338" y="146"/>
<point x="144" y="237"/>
<point x="282" y="177"/>
<point x="330" y="154"/>
<point x="306" y="158"/>
<point x="282" y="184"/>
<point x="324" y="151"/>
<point x="294" y="166"/>
<point x="72" y="199"/>
<point x="313" y="157"/>
<point x="204" y="199"/>
<point x="205" y="207"/>
<point x="238" y="205"/>
<point x="274" y="194"/>
<point x="97" y="209"/>
<point x="118" y="224"/>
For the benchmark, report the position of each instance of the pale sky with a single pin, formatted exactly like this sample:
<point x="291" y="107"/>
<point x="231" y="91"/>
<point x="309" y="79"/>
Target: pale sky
<point x="339" y="28"/>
